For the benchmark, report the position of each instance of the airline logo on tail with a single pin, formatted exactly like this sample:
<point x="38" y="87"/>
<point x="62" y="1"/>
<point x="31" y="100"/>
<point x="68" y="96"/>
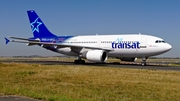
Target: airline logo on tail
<point x="38" y="27"/>
<point x="35" y="25"/>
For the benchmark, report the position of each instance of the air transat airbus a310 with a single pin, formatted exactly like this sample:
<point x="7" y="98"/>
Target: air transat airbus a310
<point x="94" y="48"/>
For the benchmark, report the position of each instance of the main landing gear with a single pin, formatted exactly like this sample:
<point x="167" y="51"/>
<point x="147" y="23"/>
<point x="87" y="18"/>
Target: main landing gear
<point x="143" y="63"/>
<point x="79" y="61"/>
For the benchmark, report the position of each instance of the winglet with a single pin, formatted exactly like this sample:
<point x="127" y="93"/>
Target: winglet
<point x="7" y="40"/>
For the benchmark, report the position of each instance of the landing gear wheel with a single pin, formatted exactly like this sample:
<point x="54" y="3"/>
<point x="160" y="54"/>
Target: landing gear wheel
<point x="83" y="62"/>
<point x="79" y="62"/>
<point x="143" y="63"/>
<point x="76" y="62"/>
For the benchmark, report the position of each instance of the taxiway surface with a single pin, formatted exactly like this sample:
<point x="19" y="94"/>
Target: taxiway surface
<point x="150" y="66"/>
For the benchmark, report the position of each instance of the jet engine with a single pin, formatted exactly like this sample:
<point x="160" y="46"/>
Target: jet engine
<point x="128" y="59"/>
<point x="95" y="55"/>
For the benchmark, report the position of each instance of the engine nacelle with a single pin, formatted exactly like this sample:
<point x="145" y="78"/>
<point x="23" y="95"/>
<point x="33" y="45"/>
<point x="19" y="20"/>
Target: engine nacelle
<point x="95" y="55"/>
<point x="128" y="59"/>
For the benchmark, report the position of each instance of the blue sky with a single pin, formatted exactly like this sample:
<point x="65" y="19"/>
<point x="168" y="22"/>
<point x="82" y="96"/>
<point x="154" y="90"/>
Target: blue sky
<point x="159" y="18"/>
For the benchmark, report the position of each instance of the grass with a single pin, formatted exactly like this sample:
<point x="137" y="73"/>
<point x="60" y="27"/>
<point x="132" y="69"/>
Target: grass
<point x="82" y="83"/>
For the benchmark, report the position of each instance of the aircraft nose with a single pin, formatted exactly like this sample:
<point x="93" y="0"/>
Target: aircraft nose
<point x="168" y="47"/>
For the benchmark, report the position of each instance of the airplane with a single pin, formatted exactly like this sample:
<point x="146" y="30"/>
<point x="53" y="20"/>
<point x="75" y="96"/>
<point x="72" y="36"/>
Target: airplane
<point x="94" y="48"/>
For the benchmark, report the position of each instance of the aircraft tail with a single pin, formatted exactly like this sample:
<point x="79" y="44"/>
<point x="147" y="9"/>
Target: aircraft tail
<point x="38" y="27"/>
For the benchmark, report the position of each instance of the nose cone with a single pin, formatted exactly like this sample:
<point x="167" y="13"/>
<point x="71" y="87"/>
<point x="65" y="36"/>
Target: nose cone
<point x="168" y="47"/>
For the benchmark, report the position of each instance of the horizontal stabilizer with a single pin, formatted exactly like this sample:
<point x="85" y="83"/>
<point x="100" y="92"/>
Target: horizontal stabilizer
<point x="25" y="39"/>
<point x="31" y="44"/>
<point x="18" y="38"/>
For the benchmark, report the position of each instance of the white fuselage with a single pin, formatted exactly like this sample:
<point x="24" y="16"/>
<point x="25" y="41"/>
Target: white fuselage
<point x="94" y="48"/>
<point x="132" y="45"/>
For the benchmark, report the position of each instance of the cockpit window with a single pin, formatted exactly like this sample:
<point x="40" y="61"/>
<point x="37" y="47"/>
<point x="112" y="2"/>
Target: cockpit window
<point x="159" y="41"/>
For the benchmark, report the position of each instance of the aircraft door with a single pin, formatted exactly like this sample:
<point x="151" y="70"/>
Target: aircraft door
<point x="143" y="42"/>
<point x="99" y="43"/>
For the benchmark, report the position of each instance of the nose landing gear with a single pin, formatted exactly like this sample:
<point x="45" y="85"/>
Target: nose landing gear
<point x="143" y="63"/>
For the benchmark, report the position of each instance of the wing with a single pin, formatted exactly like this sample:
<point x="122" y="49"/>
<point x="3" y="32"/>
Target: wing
<point x="59" y="45"/>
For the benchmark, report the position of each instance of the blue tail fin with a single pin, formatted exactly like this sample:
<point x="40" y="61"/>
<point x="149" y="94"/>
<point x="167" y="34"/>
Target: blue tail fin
<point x="38" y="27"/>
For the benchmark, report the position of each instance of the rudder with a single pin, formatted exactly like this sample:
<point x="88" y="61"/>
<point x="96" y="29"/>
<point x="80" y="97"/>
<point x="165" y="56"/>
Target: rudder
<point x="38" y="27"/>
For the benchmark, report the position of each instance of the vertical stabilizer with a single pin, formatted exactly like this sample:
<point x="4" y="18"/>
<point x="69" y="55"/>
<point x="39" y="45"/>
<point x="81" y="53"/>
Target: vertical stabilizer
<point x="38" y="27"/>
